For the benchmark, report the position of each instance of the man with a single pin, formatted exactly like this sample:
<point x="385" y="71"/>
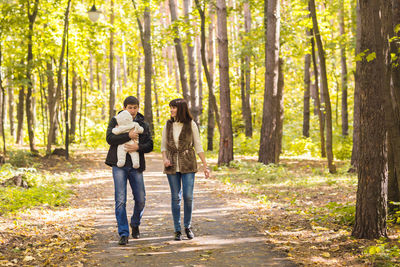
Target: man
<point x="127" y="173"/>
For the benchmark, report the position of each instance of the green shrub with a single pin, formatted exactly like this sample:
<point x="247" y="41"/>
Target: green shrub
<point x="43" y="188"/>
<point x="303" y="146"/>
<point x="341" y="213"/>
<point x="21" y="158"/>
<point x="383" y="254"/>
<point x="243" y="145"/>
<point x="343" y="147"/>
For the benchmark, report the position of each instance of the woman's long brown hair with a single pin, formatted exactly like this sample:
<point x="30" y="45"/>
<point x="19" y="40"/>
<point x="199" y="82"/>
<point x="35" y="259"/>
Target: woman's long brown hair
<point x="183" y="114"/>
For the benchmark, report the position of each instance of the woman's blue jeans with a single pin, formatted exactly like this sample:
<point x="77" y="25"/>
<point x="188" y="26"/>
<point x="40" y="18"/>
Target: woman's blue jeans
<point x="181" y="184"/>
<point x="135" y="178"/>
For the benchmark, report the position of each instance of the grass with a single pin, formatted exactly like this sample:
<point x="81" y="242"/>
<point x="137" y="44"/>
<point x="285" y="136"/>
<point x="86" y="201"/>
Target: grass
<point x="44" y="187"/>
<point x="308" y="211"/>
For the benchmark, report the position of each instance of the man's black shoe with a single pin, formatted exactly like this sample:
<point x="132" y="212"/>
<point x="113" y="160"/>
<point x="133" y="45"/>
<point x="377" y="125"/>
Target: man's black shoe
<point x="189" y="233"/>
<point x="135" y="231"/>
<point x="178" y="236"/>
<point x="123" y="240"/>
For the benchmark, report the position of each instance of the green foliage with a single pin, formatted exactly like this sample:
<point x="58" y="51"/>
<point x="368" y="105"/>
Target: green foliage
<point x="43" y="188"/>
<point x="243" y="145"/>
<point x="13" y="199"/>
<point x="341" y="213"/>
<point x="21" y="158"/>
<point x="383" y="254"/>
<point x="343" y="147"/>
<point x="303" y="146"/>
<point x="394" y="215"/>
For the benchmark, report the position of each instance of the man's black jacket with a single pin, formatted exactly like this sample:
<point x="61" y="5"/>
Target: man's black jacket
<point x="145" y="143"/>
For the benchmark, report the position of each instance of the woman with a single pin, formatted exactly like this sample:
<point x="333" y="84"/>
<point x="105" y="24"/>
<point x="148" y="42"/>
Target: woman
<point x="179" y="139"/>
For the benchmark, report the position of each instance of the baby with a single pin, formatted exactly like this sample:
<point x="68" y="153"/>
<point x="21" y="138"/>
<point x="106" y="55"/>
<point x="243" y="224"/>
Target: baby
<point x="125" y="124"/>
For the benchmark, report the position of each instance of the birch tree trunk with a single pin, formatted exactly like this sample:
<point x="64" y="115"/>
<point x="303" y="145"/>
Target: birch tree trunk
<point x="225" y="155"/>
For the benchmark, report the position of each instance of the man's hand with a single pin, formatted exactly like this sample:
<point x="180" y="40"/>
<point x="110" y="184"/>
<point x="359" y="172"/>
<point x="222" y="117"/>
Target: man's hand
<point x="133" y="135"/>
<point x="131" y="147"/>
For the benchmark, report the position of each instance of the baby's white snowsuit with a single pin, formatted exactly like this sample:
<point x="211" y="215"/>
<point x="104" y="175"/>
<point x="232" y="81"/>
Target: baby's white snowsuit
<point x="125" y="124"/>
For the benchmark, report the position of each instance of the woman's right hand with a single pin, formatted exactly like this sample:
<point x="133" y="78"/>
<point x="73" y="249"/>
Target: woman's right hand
<point x="167" y="163"/>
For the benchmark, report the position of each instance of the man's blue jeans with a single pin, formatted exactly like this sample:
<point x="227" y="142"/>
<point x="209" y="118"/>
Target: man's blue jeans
<point x="121" y="176"/>
<point x="181" y="183"/>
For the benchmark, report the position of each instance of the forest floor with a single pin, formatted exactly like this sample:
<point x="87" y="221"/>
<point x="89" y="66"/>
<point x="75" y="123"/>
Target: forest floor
<point x="236" y="223"/>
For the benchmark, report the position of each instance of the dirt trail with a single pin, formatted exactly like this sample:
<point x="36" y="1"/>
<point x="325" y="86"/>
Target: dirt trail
<point x="223" y="235"/>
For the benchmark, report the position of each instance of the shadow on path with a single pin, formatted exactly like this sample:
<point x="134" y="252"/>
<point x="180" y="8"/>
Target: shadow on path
<point x="223" y="237"/>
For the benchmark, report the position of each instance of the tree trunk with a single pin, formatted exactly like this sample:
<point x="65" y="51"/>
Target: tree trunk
<point x="225" y="155"/>
<point x="192" y="64"/>
<point x="280" y="110"/>
<point x="11" y="110"/>
<point x="325" y="89"/>
<point x="212" y="103"/>
<point x="370" y="218"/>
<point x="118" y="74"/>
<point x="179" y="51"/>
<point x="145" y="36"/>
<point x="112" y="110"/>
<point x="74" y="88"/>
<point x="246" y="108"/>
<point x="29" y="114"/>
<point x="138" y="84"/>
<point x="209" y="70"/>
<point x="3" y="104"/>
<point x="80" y="109"/>
<point x="148" y="67"/>
<point x="56" y="96"/>
<point x="356" y="110"/>
<point x="91" y="76"/>
<point x="318" y="101"/>
<point x="345" y="120"/>
<point x="392" y="102"/>
<point x="124" y="60"/>
<point x="307" y="84"/>
<point x="268" y="137"/>
<point x="200" y="76"/>
<point x="20" y="115"/>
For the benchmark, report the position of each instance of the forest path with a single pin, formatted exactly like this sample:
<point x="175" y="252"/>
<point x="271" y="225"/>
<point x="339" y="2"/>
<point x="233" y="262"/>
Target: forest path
<point x="223" y="236"/>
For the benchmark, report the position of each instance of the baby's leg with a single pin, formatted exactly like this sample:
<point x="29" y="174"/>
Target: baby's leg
<point x="121" y="156"/>
<point x="135" y="158"/>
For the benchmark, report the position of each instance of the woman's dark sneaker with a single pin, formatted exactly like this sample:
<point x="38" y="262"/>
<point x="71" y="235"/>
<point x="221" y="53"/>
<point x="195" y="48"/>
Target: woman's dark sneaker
<point x="189" y="233"/>
<point x="178" y="236"/>
<point x="123" y="240"/>
<point x="135" y="231"/>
